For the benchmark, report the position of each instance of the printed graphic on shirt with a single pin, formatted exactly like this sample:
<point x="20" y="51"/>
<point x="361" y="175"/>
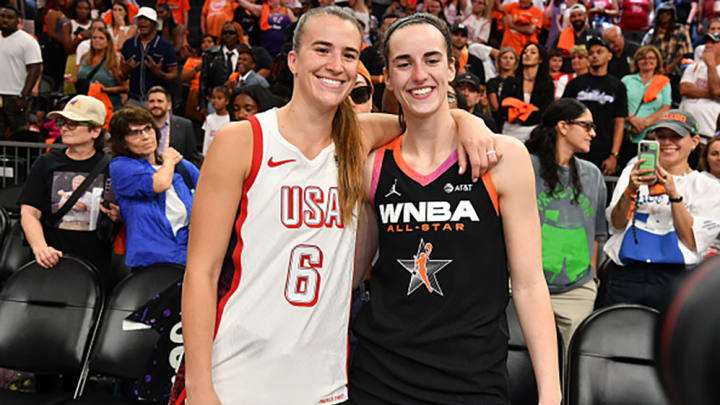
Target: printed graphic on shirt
<point x="83" y="215"/>
<point x="564" y="239"/>
<point x="596" y="95"/>
<point x="423" y="270"/>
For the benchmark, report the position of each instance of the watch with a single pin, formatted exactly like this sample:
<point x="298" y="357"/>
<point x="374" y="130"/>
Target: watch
<point x="675" y="200"/>
<point x="615" y="155"/>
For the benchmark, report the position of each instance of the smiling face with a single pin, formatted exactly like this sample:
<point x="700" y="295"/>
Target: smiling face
<point x="575" y="136"/>
<point x="325" y="62"/>
<point x="713" y="159"/>
<point x="648" y="62"/>
<point x="674" y="148"/>
<point x="419" y="72"/>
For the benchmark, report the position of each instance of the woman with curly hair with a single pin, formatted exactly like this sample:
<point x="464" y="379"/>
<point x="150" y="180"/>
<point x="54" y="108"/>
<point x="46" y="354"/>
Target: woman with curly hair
<point x="571" y="200"/>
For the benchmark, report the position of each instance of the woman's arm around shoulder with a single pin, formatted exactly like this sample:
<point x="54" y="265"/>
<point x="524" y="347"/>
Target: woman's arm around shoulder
<point x="219" y="189"/>
<point x="515" y="185"/>
<point x="131" y="178"/>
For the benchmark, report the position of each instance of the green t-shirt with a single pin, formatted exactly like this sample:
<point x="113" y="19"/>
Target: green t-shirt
<point x="635" y="91"/>
<point x="569" y="229"/>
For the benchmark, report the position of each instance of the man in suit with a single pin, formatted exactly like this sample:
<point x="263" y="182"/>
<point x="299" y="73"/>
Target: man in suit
<point x="176" y="132"/>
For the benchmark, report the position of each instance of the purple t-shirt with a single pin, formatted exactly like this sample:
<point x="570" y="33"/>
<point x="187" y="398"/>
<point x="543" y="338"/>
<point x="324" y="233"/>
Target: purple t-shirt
<point x="273" y="38"/>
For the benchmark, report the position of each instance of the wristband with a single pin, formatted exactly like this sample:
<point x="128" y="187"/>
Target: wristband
<point x="615" y="155"/>
<point x="675" y="200"/>
<point x="631" y="195"/>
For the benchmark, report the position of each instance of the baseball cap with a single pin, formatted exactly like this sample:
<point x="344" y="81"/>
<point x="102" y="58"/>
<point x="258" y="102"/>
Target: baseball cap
<point x="666" y="6"/>
<point x="678" y="121"/>
<point x="711" y="37"/>
<point x="578" y="7"/>
<point x="146" y="12"/>
<point x="82" y="108"/>
<point x="468" y="78"/>
<point x="597" y="41"/>
<point x="459" y="27"/>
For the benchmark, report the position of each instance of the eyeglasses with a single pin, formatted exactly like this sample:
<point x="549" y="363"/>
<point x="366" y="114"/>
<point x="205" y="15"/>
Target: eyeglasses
<point x="229" y="32"/>
<point x="136" y="133"/>
<point x="69" y="124"/>
<point x="361" y="94"/>
<point x="587" y="125"/>
<point x="452" y="98"/>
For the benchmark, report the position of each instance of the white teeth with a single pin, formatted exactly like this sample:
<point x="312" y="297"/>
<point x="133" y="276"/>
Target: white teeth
<point x="330" y="81"/>
<point x="421" y="92"/>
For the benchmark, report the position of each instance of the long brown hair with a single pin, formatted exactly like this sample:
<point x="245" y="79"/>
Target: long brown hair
<point x="345" y="131"/>
<point x="110" y="54"/>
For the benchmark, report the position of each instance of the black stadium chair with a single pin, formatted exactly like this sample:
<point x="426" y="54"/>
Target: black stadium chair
<point x="14" y="252"/>
<point x="612" y="360"/>
<point x="49" y="319"/>
<point x="523" y="388"/>
<point x="124" y="354"/>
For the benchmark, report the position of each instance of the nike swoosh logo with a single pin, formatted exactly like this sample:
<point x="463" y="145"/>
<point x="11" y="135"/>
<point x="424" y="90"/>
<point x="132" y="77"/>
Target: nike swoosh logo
<point x="279" y="162"/>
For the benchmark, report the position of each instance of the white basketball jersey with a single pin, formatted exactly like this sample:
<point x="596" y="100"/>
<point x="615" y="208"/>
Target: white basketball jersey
<point x="283" y="325"/>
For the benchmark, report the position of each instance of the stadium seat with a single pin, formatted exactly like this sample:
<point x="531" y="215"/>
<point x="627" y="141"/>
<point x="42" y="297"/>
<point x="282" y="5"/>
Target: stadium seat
<point x="612" y="359"/>
<point x="14" y="253"/>
<point x="523" y="389"/>
<point x="124" y="354"/>
<point x="49" y="319"/>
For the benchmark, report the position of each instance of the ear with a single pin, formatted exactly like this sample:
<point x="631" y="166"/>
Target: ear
<point x="386" y="79"/>
<point x="562" y="127"/>
<point x="451" y="70"/>
<point x="292" y="60"/>
<point x="695" y="140"/>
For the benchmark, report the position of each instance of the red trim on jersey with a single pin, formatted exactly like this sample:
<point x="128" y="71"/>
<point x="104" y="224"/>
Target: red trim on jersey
<point x="377" y="166"/>
<point x="422" y="179"/>
<point x="181" y="398"/>
<point x="492" y="192"/>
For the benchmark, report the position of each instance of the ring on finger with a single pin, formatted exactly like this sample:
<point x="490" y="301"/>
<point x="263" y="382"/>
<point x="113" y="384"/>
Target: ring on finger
<point x="491" y="152"/>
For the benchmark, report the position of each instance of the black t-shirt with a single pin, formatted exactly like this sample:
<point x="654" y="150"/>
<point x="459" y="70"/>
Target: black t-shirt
<point x="249" y="23"/>
<point x="580" y="39"/>
<point x="497" y="85"/>
<point x="620" y="67"/>
<point x="606" y="97"/>
<point x="50" y="183"/>
<point x="373" y="61"/>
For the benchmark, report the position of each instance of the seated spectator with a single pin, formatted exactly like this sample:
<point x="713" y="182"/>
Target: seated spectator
<point x="220" y="99"/>
<point x="170" y="30"/>
<point x="707" y="11"/>
<point x="662" y="219"/>
<point x="578" y="33"/>
<point x="120" y="26"/>
<point x="522" y="23"/>
<point x="131" y="8"/>
<point x="560" y="79"/>
<point x="478" y="23"/>
<point x="506" y="64"/>
<point x="710" y="158"/>
<point x="648" y="97"/>
<point x="101" y="64"/>
<point x="362" y="91"/>
<point x="434" y="7"/>
<point x="532" y="87"/>
<point x="175" y="132"/>
<point x="147" y="59"/>
<point x="154" y="190"/>
<point x="246" y="65"/>
<point x="250" y="100"/>
<point x="191" y="73"/>
<point x="700" y="87"/>
<point x="275" y="19"/>
<point x="713" y="28"/>
<point x="469" y="86"/>
<point x="623" y="51"/>
<point x="575" y="188"/>
<point x="579" y="61"/>
<point x="53" y="229"/>
<point x="459" y="38"/>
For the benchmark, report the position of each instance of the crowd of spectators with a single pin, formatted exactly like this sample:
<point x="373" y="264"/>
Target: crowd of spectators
<point x="170" y="78"/>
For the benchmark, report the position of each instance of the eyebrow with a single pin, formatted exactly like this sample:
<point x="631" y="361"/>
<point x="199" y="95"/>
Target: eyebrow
<point x="425" y="55"/>
<point x="330" y="44"/>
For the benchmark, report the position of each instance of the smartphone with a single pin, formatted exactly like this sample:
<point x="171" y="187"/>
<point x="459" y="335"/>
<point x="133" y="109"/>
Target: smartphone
<point x="650" y="151"/>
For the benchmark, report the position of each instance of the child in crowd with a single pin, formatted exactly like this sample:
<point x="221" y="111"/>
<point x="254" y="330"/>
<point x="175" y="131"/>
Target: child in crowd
<point x="220" y="98"/>
<point x="560" y="79"/>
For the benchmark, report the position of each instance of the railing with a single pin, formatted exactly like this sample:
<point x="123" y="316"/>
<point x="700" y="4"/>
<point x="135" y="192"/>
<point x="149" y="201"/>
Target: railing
<point x="16" y="159"/>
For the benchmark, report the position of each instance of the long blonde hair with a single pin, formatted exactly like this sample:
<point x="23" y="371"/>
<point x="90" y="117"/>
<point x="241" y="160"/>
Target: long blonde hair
<point x="345" y="131"/>
<point x="110" y="54"/>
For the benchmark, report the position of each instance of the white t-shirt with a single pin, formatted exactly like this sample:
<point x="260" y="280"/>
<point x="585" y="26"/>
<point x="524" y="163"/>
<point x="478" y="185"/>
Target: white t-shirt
<point x="482" y="52"/>
<point x="478" y="28"/>
<point x="704" y="110"/>
<point x="82" y="48"/>
<point x="175" y="210"/>
<point x="16" y="52"/>
<point x="212" y="124"/>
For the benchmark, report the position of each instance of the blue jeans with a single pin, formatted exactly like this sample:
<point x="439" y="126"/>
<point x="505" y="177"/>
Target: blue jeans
<point x="649" y="284"/>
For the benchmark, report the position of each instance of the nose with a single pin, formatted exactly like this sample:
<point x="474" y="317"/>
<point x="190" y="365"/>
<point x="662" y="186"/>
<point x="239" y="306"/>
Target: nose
<point x="335" y="62"/>
<point x="419" y="74"/>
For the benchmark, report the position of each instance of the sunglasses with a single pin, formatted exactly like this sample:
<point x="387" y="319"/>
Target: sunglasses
<point x="229" y="32"/>
<point x="69" y="124"/>
<point x="361" y="94"/>
<point x="587" y="125"/>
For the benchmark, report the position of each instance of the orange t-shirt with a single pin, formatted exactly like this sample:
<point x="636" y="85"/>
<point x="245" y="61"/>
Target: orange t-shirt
<point x="178" y="7"/>
<point x="190" y="64"/>
<point x="132" y="12"/>
<point x="217" y="13"/>
<point x="532" y="15"/>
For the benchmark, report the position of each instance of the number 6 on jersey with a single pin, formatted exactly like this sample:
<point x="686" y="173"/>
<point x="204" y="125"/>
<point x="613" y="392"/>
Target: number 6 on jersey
<point x="303" y="279"/>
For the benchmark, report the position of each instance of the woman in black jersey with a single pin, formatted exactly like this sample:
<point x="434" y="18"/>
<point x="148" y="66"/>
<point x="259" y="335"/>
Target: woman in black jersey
<point x="434" y="331"/>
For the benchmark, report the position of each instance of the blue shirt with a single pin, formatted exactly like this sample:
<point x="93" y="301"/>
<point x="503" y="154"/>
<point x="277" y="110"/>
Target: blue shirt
<point x="141" y="78"/>
<point x="150" y="238"/>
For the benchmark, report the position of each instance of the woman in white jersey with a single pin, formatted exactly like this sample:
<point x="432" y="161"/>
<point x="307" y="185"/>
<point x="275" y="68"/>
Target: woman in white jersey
<point x="281" y="189"/>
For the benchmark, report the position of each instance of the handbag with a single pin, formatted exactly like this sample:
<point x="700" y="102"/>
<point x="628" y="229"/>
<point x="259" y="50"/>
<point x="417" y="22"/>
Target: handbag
<point x="83" y="85"/>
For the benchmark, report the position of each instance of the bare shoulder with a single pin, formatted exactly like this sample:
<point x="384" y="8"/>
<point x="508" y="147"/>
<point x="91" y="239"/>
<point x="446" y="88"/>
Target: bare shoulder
<point x="231" y="150"/>
<point x="514" y="164"/>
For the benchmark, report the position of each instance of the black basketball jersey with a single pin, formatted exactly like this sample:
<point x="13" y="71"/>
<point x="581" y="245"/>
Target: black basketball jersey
<point x="434" y="331"/>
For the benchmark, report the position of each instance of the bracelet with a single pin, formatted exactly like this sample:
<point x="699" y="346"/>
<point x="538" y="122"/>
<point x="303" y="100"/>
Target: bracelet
<point x="675" y="200"/>
<point x="631" y="195"/>
<point x="615" y="155"/>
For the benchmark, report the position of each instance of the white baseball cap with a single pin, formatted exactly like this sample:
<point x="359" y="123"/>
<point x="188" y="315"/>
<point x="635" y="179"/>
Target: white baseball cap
<point x="148" y="13"/>
<point x="82" y="108"/>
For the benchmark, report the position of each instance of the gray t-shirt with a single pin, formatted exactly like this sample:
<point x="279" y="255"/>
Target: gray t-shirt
<point x="569" y="229"/>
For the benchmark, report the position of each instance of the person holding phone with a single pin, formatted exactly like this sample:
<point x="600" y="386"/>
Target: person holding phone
<point x="661" y="219"/>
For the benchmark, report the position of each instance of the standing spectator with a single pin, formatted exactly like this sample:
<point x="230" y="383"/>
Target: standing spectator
<point x="172" y="31"/>
<point x="478" y="23"/>
<point x="191" y="73"/>
<point x="657" y="233"/>
<point x="275" y="19"/>
<point x="707" y="11"/>
<point x="246" y="65"/>
<point x="700" y="87"/>
<point x="623" y="51"/>
<point x="560" y="79"/>
<point x="147" y="59"/>
<point x="219" y="62"/>
<point x="459" y="39"/>
<point x="84" y="46"/>
<point x="532" y="87"/>
<point x="131" y="8"/>
<point x="522" y="23"/>
<point x="220" y="98"/>
<point x="372" y="59"/>
<point x="553" y="14"/>
<point x="154" y="190"/>
<point x="360" y="10"/>
<point x="20" y="70"/>
<point x="454" y="11"/>
<point x="506" y="62"/>
<point x="648" y="97"/>
<point x="249" y="23"/>
<point x="712" y="28"/>
<point x="578" y="33"/>
<point x="673" y="41"/>
<point x="175" y="132"/>
<point x="120" y="26"/>
<point x="101" y="64"/>
<point x="54" y="18"/>
<point x="606" y="97"/>
<point x="53" y="179"/>
<point x="635" y="18"/>
<point x="571" y="197"/>
<point x="603" y="12"/>
<point x="214" y="15"/>
<point x="180" y="9"/>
